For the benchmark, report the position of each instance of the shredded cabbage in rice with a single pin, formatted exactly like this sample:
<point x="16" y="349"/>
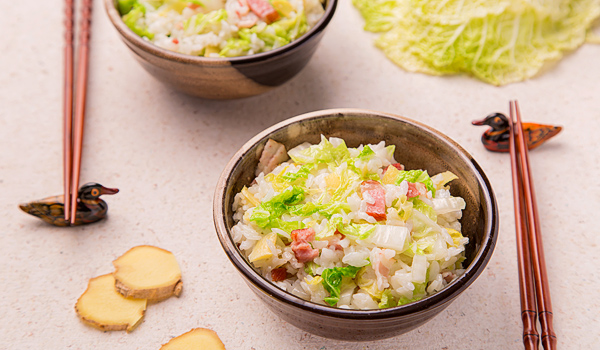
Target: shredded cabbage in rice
<point x="220" y="28"/>
<point x="378" y="236"/>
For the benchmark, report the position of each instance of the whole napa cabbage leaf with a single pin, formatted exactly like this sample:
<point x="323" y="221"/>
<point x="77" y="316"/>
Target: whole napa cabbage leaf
<point x="498" y="42"/>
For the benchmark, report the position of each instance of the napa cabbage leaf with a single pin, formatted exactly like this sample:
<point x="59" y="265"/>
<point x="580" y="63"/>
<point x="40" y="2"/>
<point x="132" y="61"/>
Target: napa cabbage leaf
<point x="499" y="42"/>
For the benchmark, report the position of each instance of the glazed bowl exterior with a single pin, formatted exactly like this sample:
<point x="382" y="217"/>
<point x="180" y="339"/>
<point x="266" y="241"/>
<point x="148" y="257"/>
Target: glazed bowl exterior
<point x="417" y="147"/>
<point x="223" y="78"/>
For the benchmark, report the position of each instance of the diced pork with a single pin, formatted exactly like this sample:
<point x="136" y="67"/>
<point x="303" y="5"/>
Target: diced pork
<point x="303" y="235"/>
<point x="395" y="165"/>
<point x="272" y="155"/>
<point x="375" y="194"/>
<point x="301" y="247"/>
<point x="398" y="166"/>
<point x="278" y="274"/>
<point x="238" y="7"/>
<point x="381" y="261"/>
<point x="304" y="251"/>
<point x="416" y="189"/>
<point x="334" y="241"/>
<point x="448" y="276"/>
<point x="264" y="10"/>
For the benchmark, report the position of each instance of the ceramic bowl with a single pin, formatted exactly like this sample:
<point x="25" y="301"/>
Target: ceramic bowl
<point x="417" y="147"/>
<point x="223" y="78"/>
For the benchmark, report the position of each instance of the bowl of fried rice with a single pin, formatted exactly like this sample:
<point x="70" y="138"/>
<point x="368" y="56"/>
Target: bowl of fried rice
<point x="354" y="224"/>
<point x="222" y="49"/>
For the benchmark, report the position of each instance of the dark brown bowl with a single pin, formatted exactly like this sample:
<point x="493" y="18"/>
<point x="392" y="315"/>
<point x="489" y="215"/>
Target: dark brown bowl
<point x="223" y="78"/>
<point x="417" y="147"/>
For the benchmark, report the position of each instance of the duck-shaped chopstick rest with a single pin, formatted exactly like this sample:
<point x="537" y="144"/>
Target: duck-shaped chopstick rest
<point x="496" y="138"/>
<point x="90" y="208"/>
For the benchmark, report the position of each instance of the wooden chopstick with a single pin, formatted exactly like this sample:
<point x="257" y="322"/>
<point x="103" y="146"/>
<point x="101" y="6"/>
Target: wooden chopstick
<point x="526" y="286"/>
<point x="68" y="107"/>
<point x="80" y="98"/>
<point x="530" y="221"/>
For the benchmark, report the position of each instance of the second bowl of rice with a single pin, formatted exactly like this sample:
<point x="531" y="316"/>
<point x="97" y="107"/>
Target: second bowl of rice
<point x="222" y="49"/>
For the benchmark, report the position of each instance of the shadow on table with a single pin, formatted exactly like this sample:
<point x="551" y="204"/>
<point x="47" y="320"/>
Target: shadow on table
<point x="246" y="117"/>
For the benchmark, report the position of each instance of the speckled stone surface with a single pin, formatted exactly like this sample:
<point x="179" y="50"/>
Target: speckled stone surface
<point x="165" y="151"/>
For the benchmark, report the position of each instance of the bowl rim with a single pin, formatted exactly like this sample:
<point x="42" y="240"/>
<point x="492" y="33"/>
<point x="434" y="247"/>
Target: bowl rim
<point x="450" y="292"/>
<point x="129" y="36"/>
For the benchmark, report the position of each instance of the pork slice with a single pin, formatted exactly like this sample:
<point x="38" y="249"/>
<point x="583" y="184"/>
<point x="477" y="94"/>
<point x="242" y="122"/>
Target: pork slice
<point x="376" y="192"/>
<point x="264" y="10"/>
<point x="416" y="189"/>
<point x="304" y="251"/>
<point x="272" y="155"/>
<point x="278" y="274"/>
<point x="303" y="235"/>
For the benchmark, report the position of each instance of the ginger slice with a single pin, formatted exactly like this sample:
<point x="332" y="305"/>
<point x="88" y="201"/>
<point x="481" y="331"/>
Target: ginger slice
<point x="147" y="272"/>
<point x="102" y="307"/>
<point x="197" y="338"/>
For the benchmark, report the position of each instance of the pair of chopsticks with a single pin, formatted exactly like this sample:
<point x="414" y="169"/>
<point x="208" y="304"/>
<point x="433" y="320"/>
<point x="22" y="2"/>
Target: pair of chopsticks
<point x="533" y="283"/>
<point x="74" y="115"/>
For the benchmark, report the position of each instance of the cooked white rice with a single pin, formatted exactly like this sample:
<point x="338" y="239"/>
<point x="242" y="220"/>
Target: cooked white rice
<point x="415" y="251"/>
<point x="219" y="28"/>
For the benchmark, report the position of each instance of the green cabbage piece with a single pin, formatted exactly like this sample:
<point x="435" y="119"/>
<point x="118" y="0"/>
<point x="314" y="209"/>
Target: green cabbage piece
<point x="348" y="182"/>
<point x="358" y="231"/>
<point x="424" y="219"/>
<point x="274" y="35"/>
<point x="136" y="12"/>
<point x="267" y="211"/>
<point x="332" y="281"/>
<point x="364" y="175"/>
<point x="287" y="226"/>
<point x="498" y="42"/>
<point x="235" y="47"/>
<point x="326" y="210"/>
<point x="424" y="208"/>
<point x="366" y="154"/>
<point x="287" y="179"/>
<point x="329" y="231"/>
<point x="124" y="6"/>
<point x="418" y="293"/>
<point x="387" y="300"/>
<point x="416" y="176"/>
<point x="204" y="23"/>
<point x="323" y="152"/>
<point x="310" y="268"/>
<point x="302" y="173"/>
<point x="288" y="29"/>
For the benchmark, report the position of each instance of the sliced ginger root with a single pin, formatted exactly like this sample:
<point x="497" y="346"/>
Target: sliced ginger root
<point x="147" y="272"/>
<point x="101" y="306"/>
<point x="196" y="339"/>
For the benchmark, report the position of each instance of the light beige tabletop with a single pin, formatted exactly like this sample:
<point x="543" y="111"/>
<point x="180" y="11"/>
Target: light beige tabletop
<point x="165" y="151"/>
